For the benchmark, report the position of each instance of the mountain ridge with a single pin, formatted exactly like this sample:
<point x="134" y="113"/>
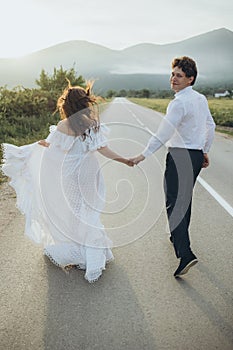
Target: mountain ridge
<point x="213" y="52"/>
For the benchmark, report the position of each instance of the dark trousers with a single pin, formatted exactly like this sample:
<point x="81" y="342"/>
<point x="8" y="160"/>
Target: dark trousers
<point x="182" y="168"/>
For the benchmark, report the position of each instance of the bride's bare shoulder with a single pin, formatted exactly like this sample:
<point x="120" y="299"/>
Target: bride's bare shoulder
<point x="63" y="126"/>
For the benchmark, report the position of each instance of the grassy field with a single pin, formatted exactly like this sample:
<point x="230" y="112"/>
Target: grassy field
<point x="221" y="110"/>
<point x="157" y="104"/>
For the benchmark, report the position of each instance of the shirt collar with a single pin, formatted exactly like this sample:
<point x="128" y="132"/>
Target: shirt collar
<point x="184" y="91"/>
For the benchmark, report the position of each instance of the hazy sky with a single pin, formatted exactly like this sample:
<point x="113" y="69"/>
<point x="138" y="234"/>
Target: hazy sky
<point x="31" y="25"/>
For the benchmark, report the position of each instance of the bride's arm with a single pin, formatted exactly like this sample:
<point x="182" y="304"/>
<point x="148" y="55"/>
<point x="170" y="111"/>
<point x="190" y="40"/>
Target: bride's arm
<point x="108" y="153"/>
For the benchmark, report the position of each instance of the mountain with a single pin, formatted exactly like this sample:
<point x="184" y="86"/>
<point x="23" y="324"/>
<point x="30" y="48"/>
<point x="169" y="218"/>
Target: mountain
<point x="141" y="66"/>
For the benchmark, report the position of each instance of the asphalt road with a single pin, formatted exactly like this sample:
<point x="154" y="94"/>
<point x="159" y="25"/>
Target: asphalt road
<point x="137" y="304"/>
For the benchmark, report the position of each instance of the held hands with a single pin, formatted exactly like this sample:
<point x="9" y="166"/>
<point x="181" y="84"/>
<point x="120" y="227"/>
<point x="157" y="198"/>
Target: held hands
<point x="108" y="153"/>
<point x="125" y="161"/>
<point x="129" y="162"/>
<point x="137" y="159"/>
<point x="132" y="161"/>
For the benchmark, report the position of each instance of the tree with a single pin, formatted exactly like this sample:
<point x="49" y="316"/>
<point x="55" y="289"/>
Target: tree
<point x="111" y="93"/>
<point x="145" y="93"/>
<point x="57" y="82"/>
<point x="122" y="93"/>
<point x="25" y="111"/>
<point x="53" y="85"/>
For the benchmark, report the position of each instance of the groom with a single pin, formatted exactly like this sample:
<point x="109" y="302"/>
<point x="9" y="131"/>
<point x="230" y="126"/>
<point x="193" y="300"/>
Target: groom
<point x="188" y="129"/>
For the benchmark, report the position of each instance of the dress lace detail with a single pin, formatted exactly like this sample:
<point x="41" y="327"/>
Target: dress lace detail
<point x="61" y="192"/>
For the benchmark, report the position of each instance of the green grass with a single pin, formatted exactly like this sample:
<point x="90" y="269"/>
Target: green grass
<point x="225" y="130"/>
<point x="28" y="130"/>
<point x="22" y="130"/>
<point x="221" y="109"/>
<point x="157" y="104"/>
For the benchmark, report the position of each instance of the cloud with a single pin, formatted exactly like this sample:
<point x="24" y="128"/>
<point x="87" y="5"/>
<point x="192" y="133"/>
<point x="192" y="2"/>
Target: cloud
<point x="30" y="25"/>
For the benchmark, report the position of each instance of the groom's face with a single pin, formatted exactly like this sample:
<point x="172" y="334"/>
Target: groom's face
<point x="178" y="79"/>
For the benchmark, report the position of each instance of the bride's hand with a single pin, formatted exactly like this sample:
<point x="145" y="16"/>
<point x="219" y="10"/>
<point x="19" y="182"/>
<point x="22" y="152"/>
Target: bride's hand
<point x="43" y="143"/>
<point x="129" y="162"/>
<point x="125" y="161"/>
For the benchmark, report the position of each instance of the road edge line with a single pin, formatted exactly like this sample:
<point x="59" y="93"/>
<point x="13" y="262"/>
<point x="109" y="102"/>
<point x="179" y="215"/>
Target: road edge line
<point x="216" y="196"/>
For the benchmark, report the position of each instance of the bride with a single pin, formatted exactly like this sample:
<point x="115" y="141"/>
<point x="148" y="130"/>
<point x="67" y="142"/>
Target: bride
<point x="60" y="188"/>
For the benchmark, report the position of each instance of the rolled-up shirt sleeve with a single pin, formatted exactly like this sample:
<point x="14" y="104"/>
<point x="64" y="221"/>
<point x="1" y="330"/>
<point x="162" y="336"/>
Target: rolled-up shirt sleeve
<point x="167" y="127"/>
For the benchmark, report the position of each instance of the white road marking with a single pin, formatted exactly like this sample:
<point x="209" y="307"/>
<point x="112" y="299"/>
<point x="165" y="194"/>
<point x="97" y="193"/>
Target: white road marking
<point x="135" y="117"/>
<point x="216" y="196"/>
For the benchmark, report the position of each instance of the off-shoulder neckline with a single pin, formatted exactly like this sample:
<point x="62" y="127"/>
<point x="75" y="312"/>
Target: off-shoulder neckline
<point x="63" y="133"/>
<point x="73" y="136"/>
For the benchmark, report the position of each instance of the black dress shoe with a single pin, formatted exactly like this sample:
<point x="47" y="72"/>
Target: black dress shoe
<point x="185" y="264"/>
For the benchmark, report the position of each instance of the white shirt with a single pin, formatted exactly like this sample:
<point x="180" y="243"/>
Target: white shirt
<point x="187" y="124"/>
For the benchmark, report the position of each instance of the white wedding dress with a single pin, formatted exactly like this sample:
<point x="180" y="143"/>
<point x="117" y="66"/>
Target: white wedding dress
<point x="60" y="190"/>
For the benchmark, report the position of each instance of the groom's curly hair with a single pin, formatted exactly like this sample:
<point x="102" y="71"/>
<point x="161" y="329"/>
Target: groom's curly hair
<point x="188" y="66"/>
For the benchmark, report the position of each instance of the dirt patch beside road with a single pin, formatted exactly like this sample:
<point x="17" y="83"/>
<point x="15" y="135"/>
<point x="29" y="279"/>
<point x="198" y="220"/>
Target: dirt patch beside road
<point x="8" y="210"/>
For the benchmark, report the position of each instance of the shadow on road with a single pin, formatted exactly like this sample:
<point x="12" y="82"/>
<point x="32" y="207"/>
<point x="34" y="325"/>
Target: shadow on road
<point x="207" y="307"/>
<point x="103" y="315"/>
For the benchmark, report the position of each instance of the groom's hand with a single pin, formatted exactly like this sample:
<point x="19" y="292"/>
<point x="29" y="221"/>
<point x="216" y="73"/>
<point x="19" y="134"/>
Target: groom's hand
<point x="206" y="161"/>
<point x="137" y="159"/>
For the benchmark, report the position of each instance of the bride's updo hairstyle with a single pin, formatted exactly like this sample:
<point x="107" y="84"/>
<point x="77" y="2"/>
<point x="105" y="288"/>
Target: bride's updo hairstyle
<point x="79" y="106"/>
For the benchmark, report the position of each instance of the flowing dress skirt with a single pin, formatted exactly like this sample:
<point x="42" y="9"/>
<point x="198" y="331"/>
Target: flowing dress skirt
<point x="60" y="190"/>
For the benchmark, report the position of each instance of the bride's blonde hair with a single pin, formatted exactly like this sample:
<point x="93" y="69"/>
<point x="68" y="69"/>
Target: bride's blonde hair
<point x="79" y="106"/>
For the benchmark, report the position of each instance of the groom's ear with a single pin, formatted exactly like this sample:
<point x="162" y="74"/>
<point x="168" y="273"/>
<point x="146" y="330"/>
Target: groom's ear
<point x="191" y="79"/>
